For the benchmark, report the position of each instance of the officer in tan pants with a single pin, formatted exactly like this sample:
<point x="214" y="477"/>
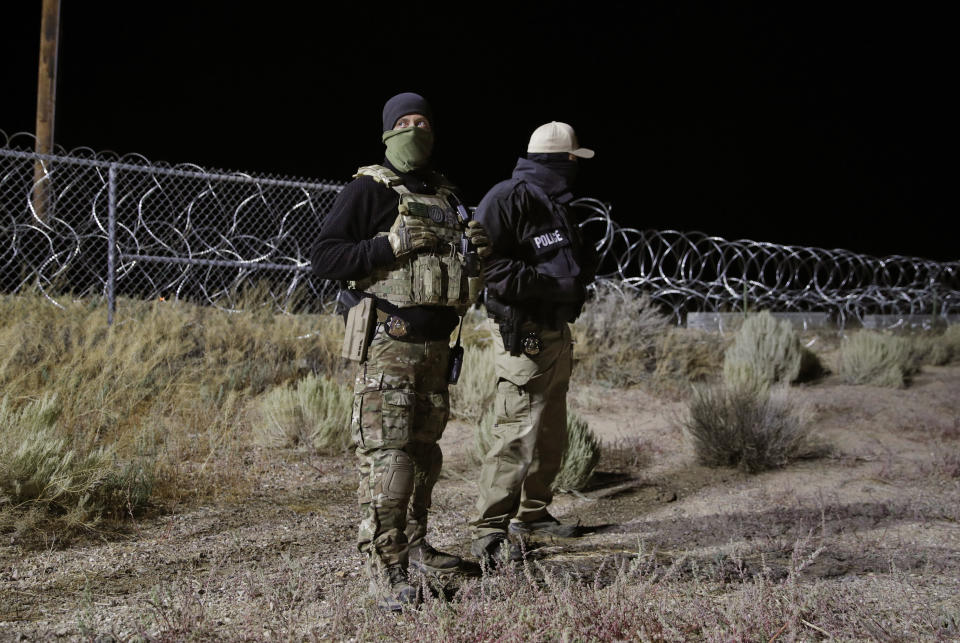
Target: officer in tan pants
<point x="536" y="278"/>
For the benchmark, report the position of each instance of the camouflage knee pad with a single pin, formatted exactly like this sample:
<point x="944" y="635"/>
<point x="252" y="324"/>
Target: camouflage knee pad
<point x="388" y="487"/>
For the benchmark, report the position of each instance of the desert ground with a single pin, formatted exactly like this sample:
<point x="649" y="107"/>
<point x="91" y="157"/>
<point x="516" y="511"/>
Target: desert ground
<point x="860" y="543"/>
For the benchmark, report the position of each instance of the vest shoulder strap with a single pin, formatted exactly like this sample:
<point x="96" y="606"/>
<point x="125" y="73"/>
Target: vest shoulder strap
<point x="383" y="175"/>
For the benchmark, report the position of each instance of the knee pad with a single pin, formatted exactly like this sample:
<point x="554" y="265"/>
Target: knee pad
<point x="397" y="481"/>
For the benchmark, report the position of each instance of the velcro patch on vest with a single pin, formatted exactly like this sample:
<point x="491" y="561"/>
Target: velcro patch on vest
<point x="440" y="216"/>
<point x="548" y="241"/>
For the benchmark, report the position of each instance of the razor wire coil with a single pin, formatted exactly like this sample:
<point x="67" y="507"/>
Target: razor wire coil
<point x="185" y="232"/>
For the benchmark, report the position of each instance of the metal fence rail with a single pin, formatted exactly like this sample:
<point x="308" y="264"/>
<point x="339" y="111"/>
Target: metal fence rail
<point x="101" y="224"/>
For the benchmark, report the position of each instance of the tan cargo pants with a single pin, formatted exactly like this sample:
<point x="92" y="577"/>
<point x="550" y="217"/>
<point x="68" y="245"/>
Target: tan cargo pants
<point x="401" y="405"/>
<point x="529" y="432"/>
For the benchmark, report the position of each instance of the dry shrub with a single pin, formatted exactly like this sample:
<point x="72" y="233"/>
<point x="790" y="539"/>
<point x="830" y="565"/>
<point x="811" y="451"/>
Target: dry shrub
<point x="44" y="479"/>
<point x="746" y="428"/>
<point x="936" y="349"/>
<point x="473" y="394"/>
<point x="483" y="436"/>
<point x="616" y="336"/>
<point x="315" y="414"/>
<point x="951" y="339"/>
<point x="170" y="379"/>
<point x="878" y="359"/>
<point x="767" y="351"/>
<point x="579" y="460"/>
<point x="689" y="355"/>
<point x="475" y="328"/>
<point x="926" y="349"/>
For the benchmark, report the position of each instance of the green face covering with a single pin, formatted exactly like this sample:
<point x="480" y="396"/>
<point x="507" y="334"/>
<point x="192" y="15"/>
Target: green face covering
<point x="408" y="148"/>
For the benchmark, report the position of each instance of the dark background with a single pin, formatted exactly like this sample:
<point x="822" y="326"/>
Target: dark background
<point x="798" y="123"/>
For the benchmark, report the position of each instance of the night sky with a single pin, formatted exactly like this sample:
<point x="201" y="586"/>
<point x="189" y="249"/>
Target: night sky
<point x="796" y="123"/>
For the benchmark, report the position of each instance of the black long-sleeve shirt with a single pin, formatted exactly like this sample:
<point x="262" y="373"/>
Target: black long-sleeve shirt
<point x="348" y="247"/>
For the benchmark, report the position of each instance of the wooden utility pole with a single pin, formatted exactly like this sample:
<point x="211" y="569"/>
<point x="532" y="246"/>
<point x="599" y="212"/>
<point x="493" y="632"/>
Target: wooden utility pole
<point x="46" y="100"/>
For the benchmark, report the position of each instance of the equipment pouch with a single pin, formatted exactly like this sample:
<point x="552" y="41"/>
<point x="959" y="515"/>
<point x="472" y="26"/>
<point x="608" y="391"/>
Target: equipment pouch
<point x="356" y="336"/>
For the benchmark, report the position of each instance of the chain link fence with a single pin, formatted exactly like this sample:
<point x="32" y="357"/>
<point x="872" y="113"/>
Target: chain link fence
<point x="96" y="224"/>
<point x="100" y="224"/>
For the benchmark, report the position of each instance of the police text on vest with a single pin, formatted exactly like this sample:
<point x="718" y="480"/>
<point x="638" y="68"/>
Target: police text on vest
<point x="548" y="239"/>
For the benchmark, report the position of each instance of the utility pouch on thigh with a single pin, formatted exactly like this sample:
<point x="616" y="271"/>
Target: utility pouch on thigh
<point x="356" y="336"/>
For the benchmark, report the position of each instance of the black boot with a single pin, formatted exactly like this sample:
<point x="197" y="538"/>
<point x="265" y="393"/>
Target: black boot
<point x="427" y="559"/>
<point x="393" y="590"/>
<point x="495" y="550"/>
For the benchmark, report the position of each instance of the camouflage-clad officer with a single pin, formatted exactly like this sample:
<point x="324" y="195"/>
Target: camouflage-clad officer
<point x="393" y="235"/>
<point x="536" y="278"/>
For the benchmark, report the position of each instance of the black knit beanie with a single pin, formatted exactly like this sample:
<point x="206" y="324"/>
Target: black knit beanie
<point x="403" y="104"/>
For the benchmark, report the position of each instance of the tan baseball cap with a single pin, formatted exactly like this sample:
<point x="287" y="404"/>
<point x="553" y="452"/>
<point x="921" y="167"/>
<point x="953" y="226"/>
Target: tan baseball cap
<point x="556" y="137"/>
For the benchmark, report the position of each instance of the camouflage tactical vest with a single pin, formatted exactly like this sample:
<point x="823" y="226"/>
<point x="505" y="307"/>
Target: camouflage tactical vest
<point x="434" y="278"/>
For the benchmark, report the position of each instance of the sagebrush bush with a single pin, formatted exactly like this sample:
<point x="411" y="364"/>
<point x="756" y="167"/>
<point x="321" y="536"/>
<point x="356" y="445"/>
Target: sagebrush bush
<point x="579" y="460"/>
<point x="616" y="336"/>
<point x="314" y="414"/>
<point x="42" y="473"/>
<point x="936" y="348"/>
<point x="929" y="349"/>
<point x="878" y="359"/>
<point x="744" y="427"/>
<point x="689" y="355"/>
<point x="951" y="339"/>
<point x="766" y="351"/>
<point x="473" y="394"/>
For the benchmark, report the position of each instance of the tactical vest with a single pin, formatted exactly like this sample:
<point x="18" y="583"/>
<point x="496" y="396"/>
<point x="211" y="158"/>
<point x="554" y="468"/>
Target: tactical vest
<point x="434" y="278"/>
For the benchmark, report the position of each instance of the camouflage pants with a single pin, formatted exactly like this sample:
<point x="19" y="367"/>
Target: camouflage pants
<point x="400" y="409"/>
<point x="530" y="432"/>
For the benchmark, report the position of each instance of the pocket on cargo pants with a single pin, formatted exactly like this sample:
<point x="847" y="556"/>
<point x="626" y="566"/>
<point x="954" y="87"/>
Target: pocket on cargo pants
<point x="386" y="418"/>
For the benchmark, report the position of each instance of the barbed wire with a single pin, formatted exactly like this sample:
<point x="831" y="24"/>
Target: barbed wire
<point x="99" y="223"/>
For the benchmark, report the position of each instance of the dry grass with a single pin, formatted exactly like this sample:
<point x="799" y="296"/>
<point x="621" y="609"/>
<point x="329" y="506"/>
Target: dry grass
<point x="767" y="351"/>
<point x="616" y="337"/>
<point x="877" y="359"/>
<point x="753" y="430"/>
<point x="169" y="382"/>
<point x="473" y="394"/>
<point x="689" y="355"/>
<point x="644" y="596"/>
<point x="315" y="414"/>
<point x="45" y="483"/>
<point x="280" y="562"/>
<point x="580" y="458"/>
<point x="937" y="348"/>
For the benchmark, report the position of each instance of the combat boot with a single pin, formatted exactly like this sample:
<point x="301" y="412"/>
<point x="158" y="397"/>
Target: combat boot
<point x="548" y="525"/>
<point x="427" y="559"/>
<point x="495" y="551"/>
<point x="393" y="590"/>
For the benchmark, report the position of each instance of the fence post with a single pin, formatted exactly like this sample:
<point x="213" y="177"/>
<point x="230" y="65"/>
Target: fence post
<point x="111" y="241"/>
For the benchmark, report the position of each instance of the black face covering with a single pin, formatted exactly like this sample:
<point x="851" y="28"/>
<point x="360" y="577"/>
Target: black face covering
<point x="559" y="163"/>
